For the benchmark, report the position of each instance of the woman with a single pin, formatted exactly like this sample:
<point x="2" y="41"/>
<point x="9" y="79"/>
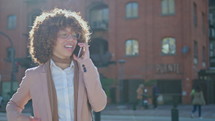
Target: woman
<point x="140" y="91"/>
<point x="198" y="100"/>
<point x="63" y="87"/>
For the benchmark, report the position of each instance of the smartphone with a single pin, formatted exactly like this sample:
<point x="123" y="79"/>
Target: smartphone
<point x="78" y="51"/>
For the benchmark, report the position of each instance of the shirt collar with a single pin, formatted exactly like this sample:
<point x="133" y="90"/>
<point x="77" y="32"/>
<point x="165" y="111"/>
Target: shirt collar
<point x="53" y="65"/>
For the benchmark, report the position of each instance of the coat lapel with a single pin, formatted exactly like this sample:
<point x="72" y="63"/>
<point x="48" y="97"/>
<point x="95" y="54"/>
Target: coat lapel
<point x="76" y="78"/>
<point x="44" y="84"/>
<point x="79" y="92"/>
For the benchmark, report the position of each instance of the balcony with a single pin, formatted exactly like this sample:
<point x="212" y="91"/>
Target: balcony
<point x="99" y="25"/>
<point x="101" y="60"/>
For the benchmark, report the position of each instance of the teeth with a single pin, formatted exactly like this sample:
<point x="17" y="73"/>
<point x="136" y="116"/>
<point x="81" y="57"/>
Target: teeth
<point x="68" y="46"/>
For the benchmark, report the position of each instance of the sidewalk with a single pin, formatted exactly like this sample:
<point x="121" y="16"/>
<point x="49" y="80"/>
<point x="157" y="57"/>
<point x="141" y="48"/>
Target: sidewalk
<point x="162" y="113"/>
<point x="208" y="111"/>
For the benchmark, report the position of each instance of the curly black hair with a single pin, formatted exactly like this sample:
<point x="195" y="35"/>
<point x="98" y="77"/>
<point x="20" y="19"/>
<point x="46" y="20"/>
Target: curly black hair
<point x="43" y="34"/>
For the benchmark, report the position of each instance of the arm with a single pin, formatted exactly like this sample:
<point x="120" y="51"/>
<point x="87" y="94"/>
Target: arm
<point x="19" y="99"/>
<point x="96" y="95"/>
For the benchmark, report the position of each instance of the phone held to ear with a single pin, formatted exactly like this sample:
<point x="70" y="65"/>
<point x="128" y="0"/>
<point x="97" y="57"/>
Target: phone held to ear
<point x="78" y="51"/>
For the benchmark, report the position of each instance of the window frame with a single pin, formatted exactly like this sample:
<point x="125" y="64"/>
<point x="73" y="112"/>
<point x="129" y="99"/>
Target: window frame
<point x="132" y="48"/>
<point x="133" y="11"/>
<point x="195" y="15"/>
<point x="11" y="22"/>
<point x="104" y="22"/>
<point x="195" y="53"/>
<point x="169" y="53"/>
<point x="169" y="12"/>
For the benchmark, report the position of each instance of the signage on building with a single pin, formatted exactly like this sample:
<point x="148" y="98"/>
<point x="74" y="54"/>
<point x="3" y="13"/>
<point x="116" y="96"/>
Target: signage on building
<point x="167" y="68"/>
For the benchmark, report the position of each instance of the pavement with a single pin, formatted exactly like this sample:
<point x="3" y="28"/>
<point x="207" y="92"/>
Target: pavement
<point x="162" y="113"/>
<point x="208" y="111"/>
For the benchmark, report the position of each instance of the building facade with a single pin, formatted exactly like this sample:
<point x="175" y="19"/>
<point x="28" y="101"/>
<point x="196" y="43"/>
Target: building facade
<point x="133" y="42"/>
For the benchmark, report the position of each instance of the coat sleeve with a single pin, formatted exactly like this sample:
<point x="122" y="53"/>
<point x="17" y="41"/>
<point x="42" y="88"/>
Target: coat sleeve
<point x="19" y="99"/>
<point x="96" y="95"/>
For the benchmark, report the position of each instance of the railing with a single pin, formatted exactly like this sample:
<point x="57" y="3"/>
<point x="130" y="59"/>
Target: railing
<point x="33" y="1"/>
<point x="99" y="25"/>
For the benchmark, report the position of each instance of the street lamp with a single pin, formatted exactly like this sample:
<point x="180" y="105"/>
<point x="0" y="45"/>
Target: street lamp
<point x="121" y="77"/>
<point x="12" y="59"/>
<point x="0" y="85"/>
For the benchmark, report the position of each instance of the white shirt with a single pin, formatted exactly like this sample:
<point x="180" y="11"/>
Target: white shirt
<point x="63" y="81"/>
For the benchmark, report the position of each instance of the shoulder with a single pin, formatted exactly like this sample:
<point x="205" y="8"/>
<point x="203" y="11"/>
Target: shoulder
<point x="36" y="69"/>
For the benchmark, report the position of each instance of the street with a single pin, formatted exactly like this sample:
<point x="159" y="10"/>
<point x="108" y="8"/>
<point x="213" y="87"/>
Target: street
<point x="146" y="118"/>
<point x="162" y="113"/>
<point x="134" y="118"/>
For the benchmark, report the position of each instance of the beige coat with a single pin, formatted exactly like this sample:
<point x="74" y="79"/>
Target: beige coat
<point x="90" y="95"/>
<point x="198" y="98"/>
<point x="139" y="93"/>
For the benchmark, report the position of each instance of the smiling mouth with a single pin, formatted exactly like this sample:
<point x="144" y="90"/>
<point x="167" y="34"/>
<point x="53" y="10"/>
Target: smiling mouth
<point x="68" y="46"/>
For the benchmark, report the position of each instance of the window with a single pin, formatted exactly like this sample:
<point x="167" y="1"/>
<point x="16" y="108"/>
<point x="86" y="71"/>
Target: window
<point x="132" y="10"/>
<point x="203" y="23"/>
<point x="99" y="17"/>
<point x="211" y="17"/>
<point x="99" y="52"/>
<point x="195" y="17"/>
<point x="203" y="56"/>
<point x="195" y="50"/>
<point x="168" y="46"/>
<point x="11" y="22"/>
<point x="168" y="7"/>
<point x="132" y="47"/>
<point x="212" y="32"/>
<point x="212" y="49"/>
<point x="212" y="54"/>
<point x="32" y="18"/>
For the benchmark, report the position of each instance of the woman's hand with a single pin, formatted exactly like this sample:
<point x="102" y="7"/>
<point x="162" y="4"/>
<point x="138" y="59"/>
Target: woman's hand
<point x="85" y="54"/>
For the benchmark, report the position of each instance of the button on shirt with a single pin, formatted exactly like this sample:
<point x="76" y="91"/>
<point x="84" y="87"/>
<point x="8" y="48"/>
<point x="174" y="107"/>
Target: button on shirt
<point x="63" y="81"/>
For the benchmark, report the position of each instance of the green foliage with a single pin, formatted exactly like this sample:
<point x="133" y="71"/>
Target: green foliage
<point x="106" y="84"/>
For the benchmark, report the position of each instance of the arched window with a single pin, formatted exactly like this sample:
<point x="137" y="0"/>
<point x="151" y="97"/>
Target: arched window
<point x="168" y="46"/>
<point x="131" y="48"/>
<point x="99" y="52"/>
<point x="132" y="10"/>
<point x="99" y="17"/>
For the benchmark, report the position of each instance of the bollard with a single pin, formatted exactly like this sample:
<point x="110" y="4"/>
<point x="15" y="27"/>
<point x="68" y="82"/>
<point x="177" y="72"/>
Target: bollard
<point x="174" y="113"/>
<point x="97" y="116"/>
<point x="134" y="106"/>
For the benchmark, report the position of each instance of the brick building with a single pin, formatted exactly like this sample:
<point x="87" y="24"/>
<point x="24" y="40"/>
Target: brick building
<point x="133" y="41"/>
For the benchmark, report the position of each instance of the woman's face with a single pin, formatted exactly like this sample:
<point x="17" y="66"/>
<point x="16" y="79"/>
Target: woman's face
<point x="65" y="43"/>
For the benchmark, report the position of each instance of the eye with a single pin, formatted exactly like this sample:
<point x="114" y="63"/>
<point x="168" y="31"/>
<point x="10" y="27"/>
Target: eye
<point x="64" y="34"/>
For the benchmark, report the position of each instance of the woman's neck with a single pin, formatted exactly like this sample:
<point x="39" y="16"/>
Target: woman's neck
<point x="62" y="63"/>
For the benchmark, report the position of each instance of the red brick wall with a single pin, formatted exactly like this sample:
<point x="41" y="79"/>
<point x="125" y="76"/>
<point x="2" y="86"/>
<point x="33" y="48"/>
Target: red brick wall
<point x="149" y="28"/>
